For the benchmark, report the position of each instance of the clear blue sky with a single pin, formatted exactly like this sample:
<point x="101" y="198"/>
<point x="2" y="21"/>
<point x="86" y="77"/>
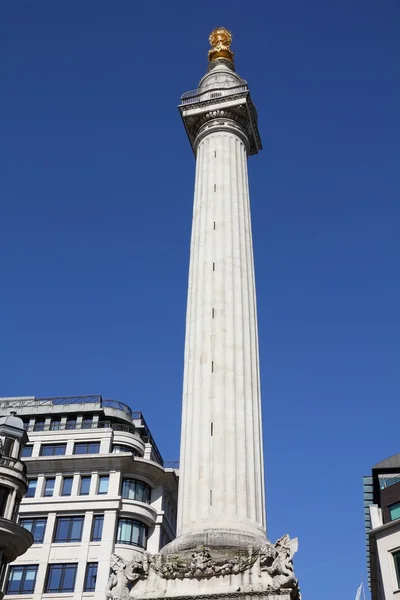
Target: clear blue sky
<point x="96" y="185"/>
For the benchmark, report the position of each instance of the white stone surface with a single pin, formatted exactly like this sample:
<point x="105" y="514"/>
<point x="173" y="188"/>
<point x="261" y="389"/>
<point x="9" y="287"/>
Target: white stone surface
<point x="221" y="474"/>
<point x="384" y="542"/>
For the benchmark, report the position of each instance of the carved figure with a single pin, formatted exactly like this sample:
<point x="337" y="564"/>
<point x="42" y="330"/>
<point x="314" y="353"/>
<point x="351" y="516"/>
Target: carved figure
<point x="124" y="576"/>
<point x="201" y="563"/>
<point x="277" y="560"/>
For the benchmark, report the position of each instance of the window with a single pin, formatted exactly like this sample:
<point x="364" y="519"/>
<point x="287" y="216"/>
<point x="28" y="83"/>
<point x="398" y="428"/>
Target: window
<point x="87" y="448"/>
<point x="103" y="484"/>
<point x="87" y="422"/>
<point x="49" y="486"/>
<point x="90" y="577"/>
<point x="52" y="449"/>
<point x="4" y="491"/>
<point x="97" y="528"/>
<point x="61" y="578"/>
<point x="117" y="448"/>
<point x="39" y="425"/>
<point x="68" y="529"/>
<point x="136" y="490"/>
<point x="26" y="424"/>
<point x="8" y="446"/>
<point x="131" y="532"/>
<point x="26" y="451"/>
<point x="55" y="424"/>
<point x="21" y="579"/>
<point x="85" y="485"/>
<point x="32" y="485"/>
<point x="67" y="486"/>
<point x="37" y="526"/>
<point x="396" y="558"/>
<point x="394" y="511"/>
<point x="71" y="423"/>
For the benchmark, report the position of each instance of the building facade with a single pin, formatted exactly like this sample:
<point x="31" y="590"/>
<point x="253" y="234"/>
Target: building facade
<point x="382" y="528"/>
<point x="14" y="539"/>
<point x="96" y="486"/>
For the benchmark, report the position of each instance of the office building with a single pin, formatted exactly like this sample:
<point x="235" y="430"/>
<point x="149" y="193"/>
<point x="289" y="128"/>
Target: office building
<point x="96" y="485"/>
<point x="382" y="528"/>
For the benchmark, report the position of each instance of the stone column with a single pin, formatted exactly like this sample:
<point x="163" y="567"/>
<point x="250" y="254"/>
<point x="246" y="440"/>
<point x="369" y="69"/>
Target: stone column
<point x="221" y="474"/>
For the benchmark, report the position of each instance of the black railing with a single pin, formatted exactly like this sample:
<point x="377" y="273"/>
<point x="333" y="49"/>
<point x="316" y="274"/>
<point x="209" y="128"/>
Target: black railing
<point x="12" y="403"/>
<point x="74" y="426"/>
<point x="212" y="93"/>
<point x="12" y="463"/>
<point x="171" y="464"/>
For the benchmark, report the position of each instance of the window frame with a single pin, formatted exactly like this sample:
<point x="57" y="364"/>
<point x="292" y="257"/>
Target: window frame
<point x="24" y="569"/>
<point x="46" y="493"/>
<point x="64" y="479"/>
<point x="86" y="587"/>
<point x="24" y="449"/>
<point x="54" y="447"/>
<point x="71" y="521"/>
<point x="86" y="445"/>
<point x="30" y="479"/>
<point x="55" y="424"/>
<point x="35" y="521"/>
<point x="63" y="567"/>
<point x="137" y="483"/>
<point x="96" y="519"/>
<point x="103" y="477"/>
<point x="40" y="421"/>
<point x="85" y="478"/>
<point x="132" y="522"/>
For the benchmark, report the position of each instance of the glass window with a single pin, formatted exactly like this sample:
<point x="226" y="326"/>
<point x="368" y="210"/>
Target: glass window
<point x="68" y="529"/>
<point x="61" y="578"/>
<point x="26" y="451"/>
<point x="90" y="577"/>
<point x="396" y="558"/>
<point x="49" y="486"/>
<point x="117" y="448"/>
<point x="71" y="423"/>
<point x="32" y="485"/>
<point x="4" y="491"/>
<point x="136" y="490"/>
<point x="87" y="448"/>
<point x="39" y="425"/>
<point x="21" y="579"/>
<point x="67" y="486"/>
<point x="55" y="424"/>
<point x="26" y="424"/>
<point x="394" y="511"/>
<point x="37" y="526"/>
<point x="85" y="485"/>
<point x="8" y="446"/>
<point x="87" y="422"/>
<point x="103" y="484"/>
<point x="97" y="528"/>
<point x="131" y="532"/>
<point x="52" y="449"/>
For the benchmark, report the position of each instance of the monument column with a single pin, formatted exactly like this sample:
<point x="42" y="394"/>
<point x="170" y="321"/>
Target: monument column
<point x="221" y="550"/>
<point x="221" y="492"/>
<point x="221" y="472"/>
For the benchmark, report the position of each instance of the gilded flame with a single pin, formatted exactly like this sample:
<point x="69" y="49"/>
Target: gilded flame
<point x="220" y="40"/>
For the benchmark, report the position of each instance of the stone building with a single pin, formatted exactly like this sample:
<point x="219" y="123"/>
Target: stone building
<point x="96" y="485"/>
<point x="14" y="539"/>
<point x="382" y="528"/>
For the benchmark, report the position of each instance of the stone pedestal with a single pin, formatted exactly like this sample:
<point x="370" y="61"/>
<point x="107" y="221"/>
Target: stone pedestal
<point x="224" y="572"/>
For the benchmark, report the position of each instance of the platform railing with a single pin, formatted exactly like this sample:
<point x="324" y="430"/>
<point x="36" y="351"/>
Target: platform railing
<point x="211" y="94"/>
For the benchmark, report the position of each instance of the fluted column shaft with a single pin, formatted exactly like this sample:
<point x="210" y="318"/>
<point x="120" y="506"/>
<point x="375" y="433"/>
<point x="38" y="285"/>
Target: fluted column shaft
<point x="221" y="476"/>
